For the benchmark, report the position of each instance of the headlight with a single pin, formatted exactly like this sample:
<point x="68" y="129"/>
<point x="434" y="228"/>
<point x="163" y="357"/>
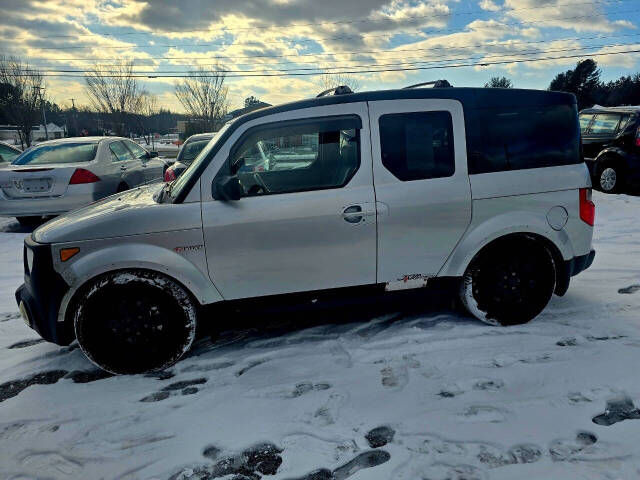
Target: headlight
<point x="29" y="259"/>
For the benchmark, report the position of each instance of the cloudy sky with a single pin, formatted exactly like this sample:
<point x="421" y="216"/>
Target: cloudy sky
<point x="263" y="43"/>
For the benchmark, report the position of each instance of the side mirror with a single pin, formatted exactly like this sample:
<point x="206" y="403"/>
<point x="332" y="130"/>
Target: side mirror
<point x="227" y="188"/>
<point x="153" y="154"/>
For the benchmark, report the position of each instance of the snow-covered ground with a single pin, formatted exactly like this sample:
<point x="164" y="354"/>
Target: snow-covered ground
<point x="465" y="400"/>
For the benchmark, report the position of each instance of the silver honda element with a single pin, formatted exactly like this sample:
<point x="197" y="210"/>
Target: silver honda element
<point x="483" y="191"/>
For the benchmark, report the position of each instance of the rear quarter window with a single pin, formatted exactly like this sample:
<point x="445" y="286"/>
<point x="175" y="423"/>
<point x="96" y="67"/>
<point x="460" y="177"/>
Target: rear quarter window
<point x="605" y="123"/>
<point x="525" y="137"/>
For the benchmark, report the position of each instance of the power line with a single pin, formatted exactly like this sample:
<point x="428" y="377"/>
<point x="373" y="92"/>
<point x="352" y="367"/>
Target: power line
<point x="67" y="59"/>
<point x="435" y="47"/>
<point x="402" y="69"/>
<point x="155" y="73"/>
<point x="130" y="46"/>
<point x="336" y="22"/>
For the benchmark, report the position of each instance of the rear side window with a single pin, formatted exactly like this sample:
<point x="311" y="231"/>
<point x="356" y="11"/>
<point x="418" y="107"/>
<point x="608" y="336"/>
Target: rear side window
<point x="605" y="123"/>
<point x="417" y="146"/>
<point x="526" y="137"/>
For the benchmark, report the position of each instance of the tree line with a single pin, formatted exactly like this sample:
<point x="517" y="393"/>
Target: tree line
<point x="584" y="81"/>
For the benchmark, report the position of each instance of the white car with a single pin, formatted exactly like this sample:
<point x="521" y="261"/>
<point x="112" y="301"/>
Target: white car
<point x="482" y="192"/>
<point x="59" y="175"/>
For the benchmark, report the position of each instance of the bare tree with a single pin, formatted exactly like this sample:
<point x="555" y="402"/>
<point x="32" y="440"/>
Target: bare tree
<point x="331" y="80"/>
<point x="148" y="109"/>
<point x="116" y="93"/>
<point x="21" y="95"/>
<point x="203" y="94"/>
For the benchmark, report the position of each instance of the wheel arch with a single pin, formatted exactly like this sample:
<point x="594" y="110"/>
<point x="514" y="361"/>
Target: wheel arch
<point x="486" y="236"/>
<point x="137" y="257"/>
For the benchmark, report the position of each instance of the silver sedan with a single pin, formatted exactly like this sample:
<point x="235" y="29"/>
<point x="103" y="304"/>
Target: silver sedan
<point x="60" y="175"/>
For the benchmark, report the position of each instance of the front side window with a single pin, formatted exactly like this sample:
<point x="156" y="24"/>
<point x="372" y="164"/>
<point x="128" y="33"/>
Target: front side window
<point x="604" y="123"/>
<point x="301" y="156"/>
<point x="417" y="146"/>
<point x="122" y="154"/>
<point x="49" y="154"/>
<point x="137" y="150"/>
<point x="8" y="154"/>
<point x="585" y="120"/>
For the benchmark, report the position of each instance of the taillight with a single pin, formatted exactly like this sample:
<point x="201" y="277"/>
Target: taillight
<point x="169" y="175"/>
<point x="587" y="207"/>
<point x="83" y="176"/>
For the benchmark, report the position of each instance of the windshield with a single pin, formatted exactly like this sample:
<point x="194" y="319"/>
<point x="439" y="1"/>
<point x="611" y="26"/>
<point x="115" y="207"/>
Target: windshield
<point x="177" y="185"/>
<point x="58" y="153"/>
<point x="191" y="149"/>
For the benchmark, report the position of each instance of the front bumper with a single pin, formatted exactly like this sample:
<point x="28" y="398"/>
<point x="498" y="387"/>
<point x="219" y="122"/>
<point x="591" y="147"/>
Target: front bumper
<point x="40" y="296"/>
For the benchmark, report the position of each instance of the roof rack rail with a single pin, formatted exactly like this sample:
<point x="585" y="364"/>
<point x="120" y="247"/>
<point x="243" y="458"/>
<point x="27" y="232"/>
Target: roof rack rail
<point x="436" y="84"/>
<point x="339" y="90"/>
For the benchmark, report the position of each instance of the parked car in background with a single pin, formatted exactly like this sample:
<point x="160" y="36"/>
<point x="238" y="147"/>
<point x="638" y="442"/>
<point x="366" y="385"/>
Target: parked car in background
<point x="481" y="192"/>
<point x="189" y="151"/>
<point x="8" y="153"/>
<point x="611" y="144"/>
<point x="59" y="175"/>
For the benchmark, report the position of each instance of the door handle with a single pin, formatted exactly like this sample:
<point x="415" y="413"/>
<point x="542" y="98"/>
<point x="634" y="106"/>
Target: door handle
<point x="353" y="214"/>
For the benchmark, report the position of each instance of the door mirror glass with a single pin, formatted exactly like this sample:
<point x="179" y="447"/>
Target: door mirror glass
<point x="227" y="188"/>
<point x="153" y="154"/>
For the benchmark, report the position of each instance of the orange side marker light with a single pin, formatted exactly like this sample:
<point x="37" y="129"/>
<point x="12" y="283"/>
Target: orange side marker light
<point x="67" y="253"/>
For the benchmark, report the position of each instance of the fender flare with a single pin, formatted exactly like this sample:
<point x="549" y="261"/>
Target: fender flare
<point x="500" y="226"/>
<point x="133" y="255"/>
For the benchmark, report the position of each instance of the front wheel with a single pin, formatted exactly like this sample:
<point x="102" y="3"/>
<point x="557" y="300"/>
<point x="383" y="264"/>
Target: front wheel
<point x="134" y="321"/>
<point x="510" y="283"/>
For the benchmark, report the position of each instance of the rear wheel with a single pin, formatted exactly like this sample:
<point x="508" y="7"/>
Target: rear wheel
<point x="30" y="221"/>
<point x="609" y="178"/>
<point x="509" y="283"/>
<point x="123" y="187"/>
<point x="134" y="321"/>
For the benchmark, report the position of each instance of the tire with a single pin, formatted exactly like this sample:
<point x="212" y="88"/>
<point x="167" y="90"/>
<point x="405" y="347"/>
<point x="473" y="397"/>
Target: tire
<point x="134" y="321"/>
<point x="509" y="283"/>
<point x="609" y="178"/>
<point x="30" y="221"/>
<point x="123" y="187"/>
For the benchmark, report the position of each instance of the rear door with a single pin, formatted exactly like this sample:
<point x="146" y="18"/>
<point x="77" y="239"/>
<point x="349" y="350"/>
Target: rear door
<point x="423" y="195"/>
<point x="601" y="131"/>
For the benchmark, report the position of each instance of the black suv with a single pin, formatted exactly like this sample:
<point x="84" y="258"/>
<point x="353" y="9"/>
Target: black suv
<point x="611" y="143"/>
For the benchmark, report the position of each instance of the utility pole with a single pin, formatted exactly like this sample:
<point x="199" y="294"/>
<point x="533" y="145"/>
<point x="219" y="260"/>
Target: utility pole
<point x="44" y="117"/>
<point x="75" y="117"/>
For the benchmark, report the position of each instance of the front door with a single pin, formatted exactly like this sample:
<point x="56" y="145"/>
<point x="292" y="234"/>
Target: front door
<point x="422" y="186"/>
<point x="307" y="217"/>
